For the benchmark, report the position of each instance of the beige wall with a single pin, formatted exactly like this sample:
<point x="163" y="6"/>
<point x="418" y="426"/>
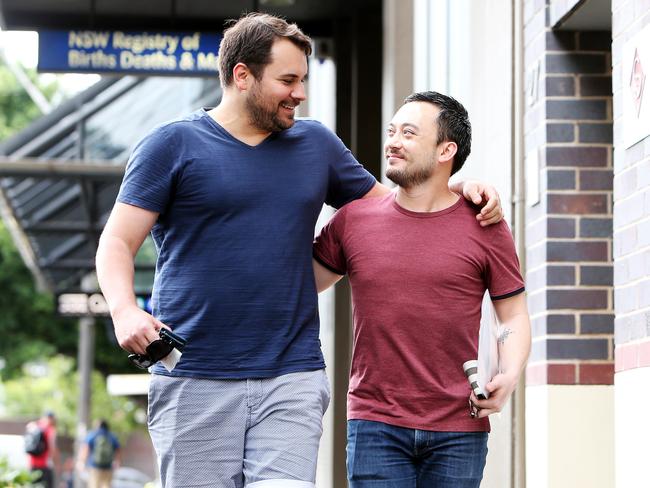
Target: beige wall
<point x="632" y="429"/>
<point x="484" y="85"/>
<point x="570" y="436"/>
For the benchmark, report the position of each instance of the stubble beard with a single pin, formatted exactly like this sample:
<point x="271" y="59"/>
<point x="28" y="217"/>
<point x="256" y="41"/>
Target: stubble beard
<point x="410" y="177"/>
<point x="264" y="118"/>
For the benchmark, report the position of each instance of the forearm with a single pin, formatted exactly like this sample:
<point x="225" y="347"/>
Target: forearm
<point x="514" y="344"/>
<point x="115" y="272"/>
<point x="323" y="276"/>
<point x="514" y="347"/>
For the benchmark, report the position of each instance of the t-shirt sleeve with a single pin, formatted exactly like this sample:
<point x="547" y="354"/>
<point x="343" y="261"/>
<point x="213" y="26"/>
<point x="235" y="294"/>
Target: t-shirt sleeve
<point x="151" y="172"/>
<point x="503" y="274"/>
<point x="348" y="180"/>
<point x="328" y="248"/>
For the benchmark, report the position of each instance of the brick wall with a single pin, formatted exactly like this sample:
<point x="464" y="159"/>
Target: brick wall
<point x="568" y="129"/>
<point x="631" y="206"/>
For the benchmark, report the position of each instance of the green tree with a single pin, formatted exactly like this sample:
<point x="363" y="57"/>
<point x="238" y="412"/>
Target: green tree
<point x="11" y="477"/>
<point x="17" y="110"/>
<point x="32" y="330"/>
<point x="30" y="327"/>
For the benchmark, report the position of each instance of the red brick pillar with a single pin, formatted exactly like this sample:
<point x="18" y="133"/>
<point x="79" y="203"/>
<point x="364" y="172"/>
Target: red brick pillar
<point x="568" y="147"/>
<point x="569" y="231"/>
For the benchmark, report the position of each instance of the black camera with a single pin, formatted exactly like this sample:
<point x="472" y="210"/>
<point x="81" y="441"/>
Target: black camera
<point x="158" y="349"/>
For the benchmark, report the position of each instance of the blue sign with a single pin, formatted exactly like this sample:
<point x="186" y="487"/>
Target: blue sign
<point x="154" y="53"/>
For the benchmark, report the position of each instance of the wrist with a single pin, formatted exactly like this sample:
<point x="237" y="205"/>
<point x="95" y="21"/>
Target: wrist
<point x="122" y="308"/>
<point x="511" y="376"/>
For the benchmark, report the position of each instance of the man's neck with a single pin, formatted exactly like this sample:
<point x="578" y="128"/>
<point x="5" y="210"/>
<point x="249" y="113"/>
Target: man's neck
<point x="231" y="114"/>
<point x="431" y="196"/>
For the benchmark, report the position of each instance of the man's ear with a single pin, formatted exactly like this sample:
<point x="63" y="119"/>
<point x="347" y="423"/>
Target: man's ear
<point x="448" y="150"/>
<point x="241" y="76"/>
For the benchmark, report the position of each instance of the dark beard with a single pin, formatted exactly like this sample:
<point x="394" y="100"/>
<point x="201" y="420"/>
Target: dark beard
<point x="263" y="118"/>
<point x="408" y="179"/>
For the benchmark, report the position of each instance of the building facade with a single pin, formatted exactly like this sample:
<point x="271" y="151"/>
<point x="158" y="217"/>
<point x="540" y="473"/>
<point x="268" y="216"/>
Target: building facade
<point x="557" y="97"/>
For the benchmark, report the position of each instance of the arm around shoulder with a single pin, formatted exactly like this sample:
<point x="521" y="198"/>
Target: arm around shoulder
<point x="481" y="194"/>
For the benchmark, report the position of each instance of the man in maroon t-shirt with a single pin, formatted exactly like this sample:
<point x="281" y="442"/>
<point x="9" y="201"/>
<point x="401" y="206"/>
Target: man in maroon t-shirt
<point x="419" y="264"/>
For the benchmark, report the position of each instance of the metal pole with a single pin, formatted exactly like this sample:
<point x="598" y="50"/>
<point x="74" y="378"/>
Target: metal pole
<point x="85" y="359"/>
<point x="518" y="462"/>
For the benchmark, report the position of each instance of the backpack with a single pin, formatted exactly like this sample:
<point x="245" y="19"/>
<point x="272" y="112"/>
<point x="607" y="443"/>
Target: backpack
<point x="35" y="441"/>
<point x="103" y="451"/>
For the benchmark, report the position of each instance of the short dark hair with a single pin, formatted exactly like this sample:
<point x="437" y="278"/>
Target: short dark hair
<point x="103" y="424"/>
<point x="453" y="123"/>
<point x="249" y="41"/>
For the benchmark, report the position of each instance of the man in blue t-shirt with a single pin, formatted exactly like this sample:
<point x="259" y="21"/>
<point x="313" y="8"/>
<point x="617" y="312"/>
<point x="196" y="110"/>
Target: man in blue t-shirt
<point x="100" y="453"/>
<point x="231" y="197"/>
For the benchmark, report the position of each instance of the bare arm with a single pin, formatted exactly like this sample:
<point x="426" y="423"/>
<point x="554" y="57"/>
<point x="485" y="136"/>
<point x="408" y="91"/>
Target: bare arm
<point x="514" y="347"/>
<point x="123" y="235"/>
<point x="324" y="277"/>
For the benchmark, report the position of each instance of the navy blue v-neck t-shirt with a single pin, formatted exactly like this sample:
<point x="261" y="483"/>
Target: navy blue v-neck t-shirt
<point x="234" y="240"/>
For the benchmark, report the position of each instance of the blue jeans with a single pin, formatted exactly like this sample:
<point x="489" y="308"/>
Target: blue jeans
<point x="386" y="456"/>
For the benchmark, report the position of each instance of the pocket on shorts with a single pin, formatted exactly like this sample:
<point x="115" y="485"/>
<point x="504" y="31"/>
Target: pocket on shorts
<point x="327" y="393"/>
<point x="153" y="395"/>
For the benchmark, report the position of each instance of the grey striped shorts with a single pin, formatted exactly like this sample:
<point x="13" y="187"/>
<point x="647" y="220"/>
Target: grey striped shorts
<point x="257" y="433"/>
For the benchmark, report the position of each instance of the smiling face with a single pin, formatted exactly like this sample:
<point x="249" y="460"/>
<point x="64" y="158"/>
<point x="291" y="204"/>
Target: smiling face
<point x="272" y="100"/>
<point x="411" y="144"/>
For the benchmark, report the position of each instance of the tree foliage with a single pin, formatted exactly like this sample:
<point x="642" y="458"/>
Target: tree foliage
<point x="11" y="477"/>
<point x="17" y="110"/>
<point x="30" y="328"/>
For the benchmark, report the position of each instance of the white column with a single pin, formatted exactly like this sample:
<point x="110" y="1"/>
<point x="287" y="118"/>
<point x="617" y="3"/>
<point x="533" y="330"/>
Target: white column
<point x="397" y="80"/>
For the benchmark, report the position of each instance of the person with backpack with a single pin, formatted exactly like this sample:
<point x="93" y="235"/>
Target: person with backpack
<point x="101" y="454"/>
<point x="41" y="450"/>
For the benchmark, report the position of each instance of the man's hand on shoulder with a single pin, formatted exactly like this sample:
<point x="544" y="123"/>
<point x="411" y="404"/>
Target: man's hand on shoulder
<point x="481" y="194"/>
<point x="135" y="329"/>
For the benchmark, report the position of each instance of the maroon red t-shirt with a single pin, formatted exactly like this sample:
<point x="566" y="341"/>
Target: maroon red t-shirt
<point x="418" y="280"/>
